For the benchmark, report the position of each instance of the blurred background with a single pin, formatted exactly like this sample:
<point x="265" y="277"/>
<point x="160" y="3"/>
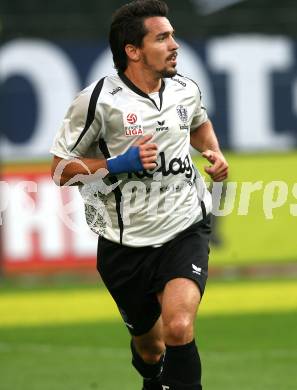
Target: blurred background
<point x="243" y="55"/>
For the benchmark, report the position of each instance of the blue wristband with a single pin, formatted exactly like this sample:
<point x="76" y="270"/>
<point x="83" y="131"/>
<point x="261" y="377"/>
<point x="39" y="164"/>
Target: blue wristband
<point x="126" y="162"/>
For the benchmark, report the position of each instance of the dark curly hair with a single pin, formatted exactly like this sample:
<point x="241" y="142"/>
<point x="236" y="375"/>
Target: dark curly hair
<point x="127" y="27"/>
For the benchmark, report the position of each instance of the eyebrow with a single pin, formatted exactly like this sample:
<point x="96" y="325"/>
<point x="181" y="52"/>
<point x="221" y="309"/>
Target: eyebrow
<point x="165" y="34"/>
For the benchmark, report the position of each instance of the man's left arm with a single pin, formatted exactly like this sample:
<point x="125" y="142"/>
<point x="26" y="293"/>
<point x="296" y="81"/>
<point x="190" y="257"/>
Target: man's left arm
<point x="205" y="141"/>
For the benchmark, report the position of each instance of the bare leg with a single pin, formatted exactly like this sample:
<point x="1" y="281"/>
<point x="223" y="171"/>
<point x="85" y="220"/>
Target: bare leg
<point x="182" y="366"/>
<point x="150" y="346"/>
<point x="179" y="301"/>
<point x="148" y="356"/>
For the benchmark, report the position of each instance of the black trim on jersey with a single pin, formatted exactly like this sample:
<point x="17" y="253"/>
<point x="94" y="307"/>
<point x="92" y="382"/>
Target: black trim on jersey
<point x="135" y="89"/>
<point x="193" y="81"/>
<point x="91" y="110"/>
<point x="117" y="192"/>
<point x="203" y="208"/>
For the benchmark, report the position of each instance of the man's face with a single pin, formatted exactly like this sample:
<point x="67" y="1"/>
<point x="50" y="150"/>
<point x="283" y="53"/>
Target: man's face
<point x="159" y="49"/>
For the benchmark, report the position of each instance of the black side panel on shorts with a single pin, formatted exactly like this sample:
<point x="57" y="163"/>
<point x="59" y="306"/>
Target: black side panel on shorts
<point x="91" y="110"/>
<point x="117" y="192"/>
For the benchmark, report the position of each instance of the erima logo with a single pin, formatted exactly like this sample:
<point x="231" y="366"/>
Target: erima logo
<point x="165" y="387"/>
<point x="125" y="318"/>
<point x="129" y="325"/>
<point x="116" y="90"/>
<point x="196" y="270"/>
<point x="161" y="126"/>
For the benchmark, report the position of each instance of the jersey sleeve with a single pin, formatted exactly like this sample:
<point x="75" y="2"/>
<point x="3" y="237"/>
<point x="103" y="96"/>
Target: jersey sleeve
<point x="200" y="114"/>
<point x="80" y="128"/>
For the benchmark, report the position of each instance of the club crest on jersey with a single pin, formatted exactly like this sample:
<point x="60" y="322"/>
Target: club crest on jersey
<point x="132" y="124"/>
<point x="182" y="112"/>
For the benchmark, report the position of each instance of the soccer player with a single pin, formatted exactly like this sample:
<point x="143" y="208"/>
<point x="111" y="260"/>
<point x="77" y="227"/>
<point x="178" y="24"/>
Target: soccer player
<point x="125" y="140"/>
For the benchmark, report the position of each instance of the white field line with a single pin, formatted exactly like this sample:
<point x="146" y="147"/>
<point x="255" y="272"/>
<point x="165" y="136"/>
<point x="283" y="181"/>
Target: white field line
<point x="123" y="353"/>
<point x="49" y="348"/>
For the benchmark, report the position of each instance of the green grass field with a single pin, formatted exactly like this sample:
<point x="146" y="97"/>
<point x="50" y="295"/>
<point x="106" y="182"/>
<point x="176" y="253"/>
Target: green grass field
<point x="71" y="338"/>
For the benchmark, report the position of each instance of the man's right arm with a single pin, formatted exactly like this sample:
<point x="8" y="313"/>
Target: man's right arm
<point x="141" y="155"/>
<point x="62" y="170"/>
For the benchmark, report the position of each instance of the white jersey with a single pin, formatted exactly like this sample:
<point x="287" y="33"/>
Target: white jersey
<point x="146" y="208"/>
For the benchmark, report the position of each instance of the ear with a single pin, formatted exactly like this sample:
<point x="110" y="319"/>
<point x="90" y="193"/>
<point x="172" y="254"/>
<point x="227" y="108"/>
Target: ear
<point x="132" y="52"/>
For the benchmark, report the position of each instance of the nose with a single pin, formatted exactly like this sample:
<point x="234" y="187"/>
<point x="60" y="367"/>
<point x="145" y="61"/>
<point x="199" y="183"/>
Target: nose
<point x="174" y="45"/>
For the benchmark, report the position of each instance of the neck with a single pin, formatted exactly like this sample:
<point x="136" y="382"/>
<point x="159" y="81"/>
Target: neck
<point x="144" y="81"/>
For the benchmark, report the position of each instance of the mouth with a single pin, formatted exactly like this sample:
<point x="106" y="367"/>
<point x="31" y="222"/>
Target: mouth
<point x="172" y="58"/>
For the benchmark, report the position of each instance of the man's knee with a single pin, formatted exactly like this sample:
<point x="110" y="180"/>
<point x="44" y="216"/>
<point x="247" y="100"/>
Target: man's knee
<point x="178" y="330"/>
<point x="150" y="353"/>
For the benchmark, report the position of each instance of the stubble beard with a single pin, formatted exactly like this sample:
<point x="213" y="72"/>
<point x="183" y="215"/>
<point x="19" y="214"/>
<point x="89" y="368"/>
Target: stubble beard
<point x="168" y="73"/>
<point x="163" y="73"/>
